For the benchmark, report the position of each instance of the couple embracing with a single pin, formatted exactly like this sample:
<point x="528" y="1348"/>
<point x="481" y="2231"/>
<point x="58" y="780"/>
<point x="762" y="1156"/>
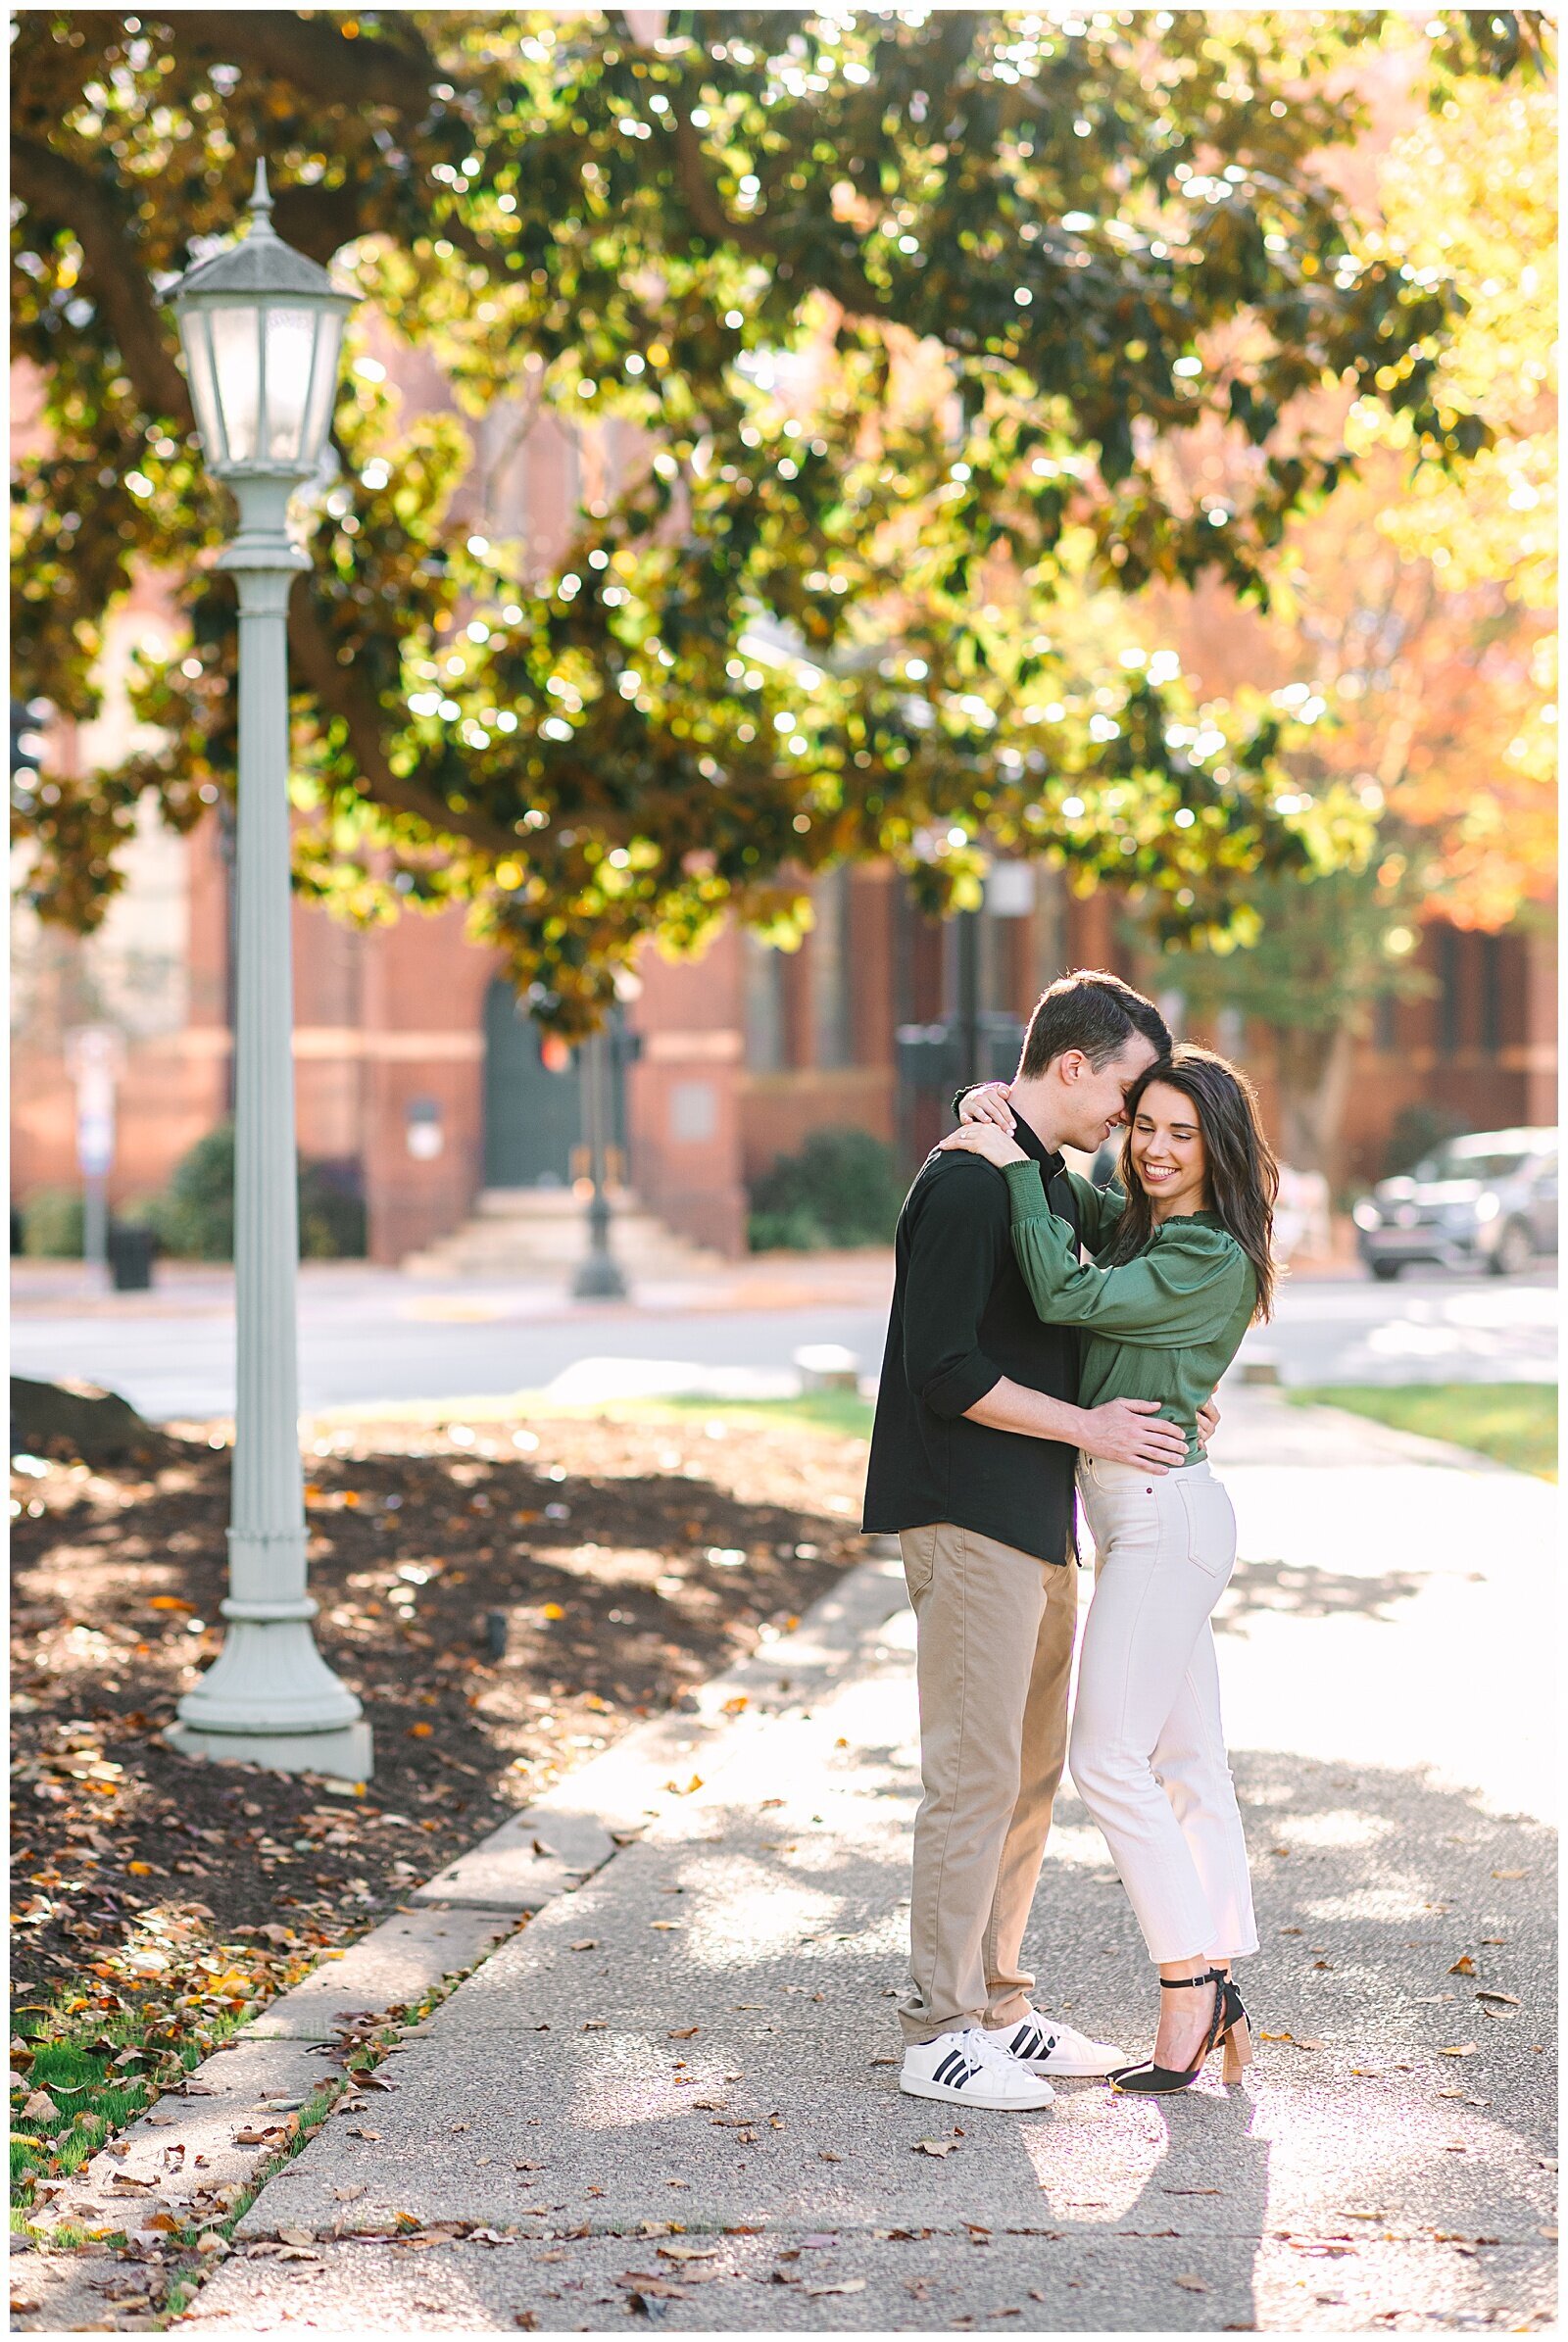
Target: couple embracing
<point x="1013" y="1365"/>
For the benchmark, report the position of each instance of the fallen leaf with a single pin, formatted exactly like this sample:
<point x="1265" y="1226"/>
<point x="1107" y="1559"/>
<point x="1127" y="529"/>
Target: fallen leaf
<point x="1460" y="2049"/>
<point x="421" y="1731"/>
<point x="1509" y="1998"/>
<point x="347" y="2195"/>
<point x="1191" y="2284"/>
<point x="665" y="1927"/>
<point x="40" y="2108"/>
<point x="686" y="2032"/>
<point x="296" y="2236"/>
<point x="845" y="2285"/>
<point x="1464" y="1966"/>
<point x="934" y="2147"/>
<point x="688" y="2252"/>
<point x="1510" y="1874"/>
<point x="586" y="1943"/>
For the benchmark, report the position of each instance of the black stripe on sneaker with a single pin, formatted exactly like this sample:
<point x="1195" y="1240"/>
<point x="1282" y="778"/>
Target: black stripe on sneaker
<point x="944" y="2073"/>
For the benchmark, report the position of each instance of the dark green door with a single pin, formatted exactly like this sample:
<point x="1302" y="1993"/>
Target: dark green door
<point x="532" y="1116"/>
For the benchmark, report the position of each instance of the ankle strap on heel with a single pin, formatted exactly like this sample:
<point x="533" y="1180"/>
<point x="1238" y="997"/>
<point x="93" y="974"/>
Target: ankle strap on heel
<point x="1188" y="1984"/>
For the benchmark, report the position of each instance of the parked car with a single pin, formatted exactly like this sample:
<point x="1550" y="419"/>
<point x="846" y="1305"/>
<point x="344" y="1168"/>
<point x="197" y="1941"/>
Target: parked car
<point x="1488" y="1199"/>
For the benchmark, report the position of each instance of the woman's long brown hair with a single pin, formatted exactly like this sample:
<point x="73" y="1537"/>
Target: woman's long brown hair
<point x="1242" y="1177"/>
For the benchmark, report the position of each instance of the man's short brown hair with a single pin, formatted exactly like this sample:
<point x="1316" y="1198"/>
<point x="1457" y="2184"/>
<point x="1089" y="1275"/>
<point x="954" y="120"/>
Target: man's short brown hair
<point x="1093" y="1011"/>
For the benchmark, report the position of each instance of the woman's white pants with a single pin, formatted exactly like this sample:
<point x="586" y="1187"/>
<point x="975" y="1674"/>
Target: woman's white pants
<point x="1148" y="1748"/>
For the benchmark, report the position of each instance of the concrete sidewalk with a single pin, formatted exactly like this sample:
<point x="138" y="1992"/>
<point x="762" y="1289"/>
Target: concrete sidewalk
<point x="676" y="2093"/>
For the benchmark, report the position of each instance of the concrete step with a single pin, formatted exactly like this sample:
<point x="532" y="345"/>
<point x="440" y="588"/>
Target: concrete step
<point x="517" y="1232"/>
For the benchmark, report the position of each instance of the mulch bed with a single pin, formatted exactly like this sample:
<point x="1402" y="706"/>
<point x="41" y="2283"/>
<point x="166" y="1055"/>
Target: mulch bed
<point x="630" y="1557"/>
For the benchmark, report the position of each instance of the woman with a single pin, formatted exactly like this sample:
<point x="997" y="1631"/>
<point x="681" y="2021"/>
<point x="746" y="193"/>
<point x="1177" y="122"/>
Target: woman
<point x="1186" y="1271"/>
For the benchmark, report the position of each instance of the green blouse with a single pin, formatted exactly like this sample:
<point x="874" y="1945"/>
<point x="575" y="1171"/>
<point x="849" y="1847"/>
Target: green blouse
<point x="1164" y="1325"/>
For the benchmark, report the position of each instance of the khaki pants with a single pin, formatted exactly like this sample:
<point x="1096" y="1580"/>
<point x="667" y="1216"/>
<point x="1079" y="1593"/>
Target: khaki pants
<point x="994" y="1637"/>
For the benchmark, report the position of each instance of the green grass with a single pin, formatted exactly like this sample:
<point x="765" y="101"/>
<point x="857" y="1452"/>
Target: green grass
<point x="96" y="2099"/>
<point x="842" y="1411"/>
<point x="1516" y="1423"/>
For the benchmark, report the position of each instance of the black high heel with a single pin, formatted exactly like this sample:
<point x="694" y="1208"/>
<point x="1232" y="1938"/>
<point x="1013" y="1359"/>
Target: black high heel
<point x="1228" y="2025"/>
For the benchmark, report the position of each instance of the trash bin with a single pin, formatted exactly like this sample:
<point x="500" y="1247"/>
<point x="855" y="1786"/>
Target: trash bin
<point x="130" y="1257"/>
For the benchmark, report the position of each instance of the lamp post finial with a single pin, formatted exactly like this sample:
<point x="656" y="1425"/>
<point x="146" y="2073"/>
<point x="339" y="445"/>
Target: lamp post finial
<point x="260" y="206"/>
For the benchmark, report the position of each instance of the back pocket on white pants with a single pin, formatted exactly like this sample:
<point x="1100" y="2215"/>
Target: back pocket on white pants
<point x="1210" y="1524"/>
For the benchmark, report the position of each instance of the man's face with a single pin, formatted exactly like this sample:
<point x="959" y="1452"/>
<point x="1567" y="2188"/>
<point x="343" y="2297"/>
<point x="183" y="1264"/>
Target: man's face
<point x="1094" y="1097"/>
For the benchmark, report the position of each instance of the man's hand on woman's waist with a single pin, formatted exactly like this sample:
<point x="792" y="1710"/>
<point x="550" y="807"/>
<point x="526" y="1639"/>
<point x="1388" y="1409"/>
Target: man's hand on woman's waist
<point x="1128" y="1431"/>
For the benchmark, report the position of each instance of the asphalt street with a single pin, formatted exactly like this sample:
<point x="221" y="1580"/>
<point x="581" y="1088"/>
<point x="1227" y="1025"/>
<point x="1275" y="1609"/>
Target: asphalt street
<point x="373" y="1336"/>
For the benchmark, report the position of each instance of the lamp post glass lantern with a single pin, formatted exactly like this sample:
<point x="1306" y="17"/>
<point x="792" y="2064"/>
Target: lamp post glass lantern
<point x="262" y="330"/>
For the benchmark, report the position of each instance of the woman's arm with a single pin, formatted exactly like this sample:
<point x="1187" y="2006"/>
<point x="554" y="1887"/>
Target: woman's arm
<point x="986" y="1130"/>
<point x="1099" y="1210"/>
<point x="1186" y="1289"/>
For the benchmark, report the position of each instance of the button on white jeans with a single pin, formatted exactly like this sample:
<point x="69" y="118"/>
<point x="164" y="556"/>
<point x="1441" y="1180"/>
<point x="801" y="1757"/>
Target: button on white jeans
<point x="1148" y="1748"/>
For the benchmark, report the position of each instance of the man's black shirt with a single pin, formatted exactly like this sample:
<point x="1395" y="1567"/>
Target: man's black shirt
<point x="962" y="1320"/>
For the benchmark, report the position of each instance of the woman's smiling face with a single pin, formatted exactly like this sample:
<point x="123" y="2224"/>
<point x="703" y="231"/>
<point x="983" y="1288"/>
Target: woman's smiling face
<point x="1167" y="1150"/>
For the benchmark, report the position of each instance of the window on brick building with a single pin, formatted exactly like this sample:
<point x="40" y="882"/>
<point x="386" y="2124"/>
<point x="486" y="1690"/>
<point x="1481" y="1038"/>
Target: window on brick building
<point x="1450" y="1001"/>
<point x="1383" y="1031"/>
<point x="832" y="1009"/>
<point x="1490" y="991"/>
<point x="764" y="1006"/>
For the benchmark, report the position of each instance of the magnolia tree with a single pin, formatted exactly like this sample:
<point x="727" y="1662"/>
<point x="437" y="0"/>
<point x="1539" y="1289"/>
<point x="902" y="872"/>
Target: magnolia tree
<point x="1027" y="256"/>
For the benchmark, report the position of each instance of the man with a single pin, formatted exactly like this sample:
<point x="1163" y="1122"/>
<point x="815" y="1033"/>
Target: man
<point x="972" y="1458"/>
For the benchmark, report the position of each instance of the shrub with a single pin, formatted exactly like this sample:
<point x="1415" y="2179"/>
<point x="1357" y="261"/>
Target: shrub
<point x="51" y="1223"/>
<point x="843" y="1188"/>
<point x="332" y="1212"/>
<point x="194" y="1217"/>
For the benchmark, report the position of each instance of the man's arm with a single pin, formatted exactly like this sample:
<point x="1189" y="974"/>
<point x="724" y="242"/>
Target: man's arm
<point x="1125" y="1431"/>
<point x="959" y="1237"/>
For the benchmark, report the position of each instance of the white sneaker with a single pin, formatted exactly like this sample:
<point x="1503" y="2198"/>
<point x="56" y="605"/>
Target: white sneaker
<point x="1048" y="2046"/>
<point x="971" y="2068"/>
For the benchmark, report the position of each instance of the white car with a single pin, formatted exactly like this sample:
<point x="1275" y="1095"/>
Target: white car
<point x="1487" y="1199"/>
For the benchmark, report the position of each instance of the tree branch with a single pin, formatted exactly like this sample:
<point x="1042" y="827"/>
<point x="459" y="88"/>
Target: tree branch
<point x="313" y="56"/>
<point x="848" y="284"/>
<point x="58" y="190"/>
<point x="341" y="693"/>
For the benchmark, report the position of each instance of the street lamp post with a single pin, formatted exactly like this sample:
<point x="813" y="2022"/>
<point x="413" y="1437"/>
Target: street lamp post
<point x="262" y="328"/>
<point x="598" y="1275"/>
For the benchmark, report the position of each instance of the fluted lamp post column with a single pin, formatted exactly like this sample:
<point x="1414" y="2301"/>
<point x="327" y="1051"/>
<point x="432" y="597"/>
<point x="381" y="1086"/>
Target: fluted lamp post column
<point x="262" y="328"/>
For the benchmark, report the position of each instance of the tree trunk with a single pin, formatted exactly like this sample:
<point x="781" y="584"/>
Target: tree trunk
<point x="1314" y="1079"/>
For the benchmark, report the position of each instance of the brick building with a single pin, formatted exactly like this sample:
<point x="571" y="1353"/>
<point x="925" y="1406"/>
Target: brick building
<point x="417" y="1075"/>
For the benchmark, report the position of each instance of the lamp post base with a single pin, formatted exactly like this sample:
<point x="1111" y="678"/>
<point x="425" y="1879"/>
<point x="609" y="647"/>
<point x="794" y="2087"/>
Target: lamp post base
<point x="599" y="1279"/>
<point x="346" y="1754"/>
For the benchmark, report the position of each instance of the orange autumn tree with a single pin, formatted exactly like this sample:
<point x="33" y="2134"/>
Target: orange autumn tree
<point x="1411" y="630"/>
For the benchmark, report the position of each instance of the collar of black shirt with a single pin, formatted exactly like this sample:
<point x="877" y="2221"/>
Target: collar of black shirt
<point x="1051" y="1164"/>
